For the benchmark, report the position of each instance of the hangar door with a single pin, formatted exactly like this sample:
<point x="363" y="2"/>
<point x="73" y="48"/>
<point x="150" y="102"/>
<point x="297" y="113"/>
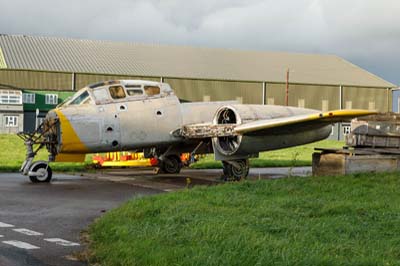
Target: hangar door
<point x="396" y="101"/>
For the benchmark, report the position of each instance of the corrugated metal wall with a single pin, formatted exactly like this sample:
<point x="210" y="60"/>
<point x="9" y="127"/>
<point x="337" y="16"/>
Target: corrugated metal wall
<point x="212" y="90"/>
<point x="55" y="81"/>
<point x="308" y="96"/>
<point x="366" y="98"/>
<point x="81" y="80"/>
<point x="36" y="80"/>
<point x="275" y="94"/>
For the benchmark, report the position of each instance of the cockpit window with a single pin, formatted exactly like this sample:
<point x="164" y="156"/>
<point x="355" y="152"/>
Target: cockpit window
<point x="151" y="90"/>
<point x="134" y="92"/>
<point x="134" y="89"/>
<point x="88" y="100"/>
<point x="83" y="98"/>
<point x="64" y="102"/>
<point x="100" y="94"/>
<point x="117" y="92"/>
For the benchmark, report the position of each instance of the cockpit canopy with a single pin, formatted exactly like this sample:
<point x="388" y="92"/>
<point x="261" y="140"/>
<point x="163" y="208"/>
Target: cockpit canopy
<point x="119" y="90"/>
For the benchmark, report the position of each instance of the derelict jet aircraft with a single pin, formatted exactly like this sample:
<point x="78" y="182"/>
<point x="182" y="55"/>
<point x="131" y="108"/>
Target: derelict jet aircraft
<point x="129" y="115"/>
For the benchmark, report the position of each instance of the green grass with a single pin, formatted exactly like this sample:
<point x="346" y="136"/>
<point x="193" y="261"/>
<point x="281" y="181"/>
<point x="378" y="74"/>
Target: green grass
<point x="13" y="151"/>
<point x="12" y="155"/>
<point x="352" y="220"/>
<point x="296" y="156"/>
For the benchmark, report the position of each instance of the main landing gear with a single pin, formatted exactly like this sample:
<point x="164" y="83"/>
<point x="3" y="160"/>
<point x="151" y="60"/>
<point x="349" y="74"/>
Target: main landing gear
<point x="170" y="164"/>
<point x="235" y="170"/>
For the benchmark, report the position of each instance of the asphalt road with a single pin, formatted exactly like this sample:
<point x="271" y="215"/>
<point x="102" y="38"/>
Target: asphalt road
<point x="188" y="177"/>
<point x="40" y="224"/>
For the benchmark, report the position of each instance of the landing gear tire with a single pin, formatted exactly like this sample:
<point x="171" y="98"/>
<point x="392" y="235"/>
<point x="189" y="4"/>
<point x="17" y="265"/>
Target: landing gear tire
<point x="171" y="165"/>
<point x="44" y="171"/>
<point x="235" y="170"/>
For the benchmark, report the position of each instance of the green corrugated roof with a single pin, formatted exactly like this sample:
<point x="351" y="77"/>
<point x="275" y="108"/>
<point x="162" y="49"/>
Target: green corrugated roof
<point x="116" y="58"/>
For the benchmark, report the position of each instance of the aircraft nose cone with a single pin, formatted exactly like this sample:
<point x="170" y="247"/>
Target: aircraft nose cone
<point x="51" y="115"/>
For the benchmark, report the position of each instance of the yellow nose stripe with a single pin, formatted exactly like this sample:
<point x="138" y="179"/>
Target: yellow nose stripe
<point x="70" y="142"/>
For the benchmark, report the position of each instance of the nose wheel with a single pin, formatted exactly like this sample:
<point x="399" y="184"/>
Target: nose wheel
<point x="44" y="136"/>
<point x="40" y="173"/>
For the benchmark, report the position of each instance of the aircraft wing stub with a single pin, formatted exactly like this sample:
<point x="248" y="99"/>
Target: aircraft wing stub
<point x="208" y="130"/>
<point x="201" y="131"/>
<point x="293" y="121"/>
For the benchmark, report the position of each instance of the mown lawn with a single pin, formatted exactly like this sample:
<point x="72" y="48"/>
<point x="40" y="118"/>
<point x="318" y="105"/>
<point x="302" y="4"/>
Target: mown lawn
<point x="12" y="154"/>
<point x="295" y="156"/>
<point x="351" y="220"/>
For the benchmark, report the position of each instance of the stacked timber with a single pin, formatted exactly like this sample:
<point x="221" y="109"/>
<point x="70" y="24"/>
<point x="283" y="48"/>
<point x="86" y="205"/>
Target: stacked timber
<point x="373" y="145"/>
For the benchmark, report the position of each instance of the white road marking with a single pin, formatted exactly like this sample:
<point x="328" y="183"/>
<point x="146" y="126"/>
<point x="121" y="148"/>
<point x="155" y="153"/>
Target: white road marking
<point x="61" y="242"/>
<point x="1" y="236"/>
<point x="27" y="232"/>
<point x="20" y="244"/>
<point x="5" y="225"/>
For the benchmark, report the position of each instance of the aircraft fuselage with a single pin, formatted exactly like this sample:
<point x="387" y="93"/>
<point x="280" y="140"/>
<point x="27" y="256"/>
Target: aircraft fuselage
<point x="132" y="123"/>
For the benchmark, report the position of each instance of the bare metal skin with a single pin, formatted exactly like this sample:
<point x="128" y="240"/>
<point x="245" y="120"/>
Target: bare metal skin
<point x="144" y="115"/>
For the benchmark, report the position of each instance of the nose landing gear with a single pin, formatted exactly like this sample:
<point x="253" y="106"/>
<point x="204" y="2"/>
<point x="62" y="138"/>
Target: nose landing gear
<point x="40" y="172"/>
<point x="44" y="135"/>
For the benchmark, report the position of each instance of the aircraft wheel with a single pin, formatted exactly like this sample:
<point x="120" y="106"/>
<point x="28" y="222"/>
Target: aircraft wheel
<point x="45" y="173"/>
<point x="236" y="171"/>
<point x="171" y="165"/>
<point x="226" y="168"/>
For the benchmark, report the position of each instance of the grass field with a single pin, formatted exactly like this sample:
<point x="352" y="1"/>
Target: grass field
<point x="296" y="156"/>
<point x="352" y="220"/>
<point x="12" y="154"/>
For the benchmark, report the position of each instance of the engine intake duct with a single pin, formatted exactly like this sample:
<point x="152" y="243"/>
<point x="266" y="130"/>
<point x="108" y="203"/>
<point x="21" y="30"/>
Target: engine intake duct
<point x="228" y="144"/>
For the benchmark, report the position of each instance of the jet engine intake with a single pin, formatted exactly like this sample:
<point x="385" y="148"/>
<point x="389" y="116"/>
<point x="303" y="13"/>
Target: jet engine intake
<point x="227" y="145"/>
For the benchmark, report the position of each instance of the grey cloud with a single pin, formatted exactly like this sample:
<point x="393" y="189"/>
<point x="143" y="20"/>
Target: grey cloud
<point x="366" y="32"/>
<point x="191" y="14"/>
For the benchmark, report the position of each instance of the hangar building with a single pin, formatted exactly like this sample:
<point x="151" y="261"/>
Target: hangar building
<point x="323" y="82"/>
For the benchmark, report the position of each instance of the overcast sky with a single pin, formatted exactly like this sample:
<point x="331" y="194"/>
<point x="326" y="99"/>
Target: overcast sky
<point x="365" y="32"/>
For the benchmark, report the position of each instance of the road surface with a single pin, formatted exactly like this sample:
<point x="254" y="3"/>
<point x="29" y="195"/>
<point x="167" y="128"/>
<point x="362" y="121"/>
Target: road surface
<point x="40" y="224"/>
